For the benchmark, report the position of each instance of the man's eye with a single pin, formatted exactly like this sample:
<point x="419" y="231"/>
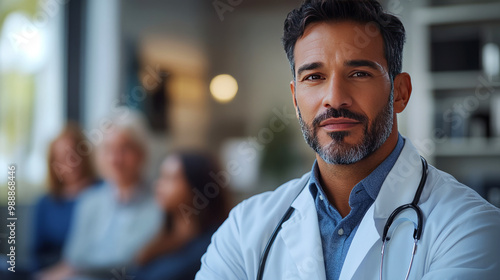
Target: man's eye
<point x="313" y="77"/>
<point x="360" y="75"/>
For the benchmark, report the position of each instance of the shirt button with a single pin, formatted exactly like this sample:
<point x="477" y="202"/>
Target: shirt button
<point x="321" y="197"/>
<point x="341" y="231"/>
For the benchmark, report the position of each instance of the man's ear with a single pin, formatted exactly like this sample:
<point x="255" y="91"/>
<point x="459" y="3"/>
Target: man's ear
<point x="402" y="91"/>
<point x="292" y="89"/>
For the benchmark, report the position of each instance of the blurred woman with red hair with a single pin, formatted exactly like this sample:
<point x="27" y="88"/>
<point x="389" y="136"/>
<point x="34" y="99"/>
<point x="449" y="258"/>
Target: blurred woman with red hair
<point x="69" y="173"/>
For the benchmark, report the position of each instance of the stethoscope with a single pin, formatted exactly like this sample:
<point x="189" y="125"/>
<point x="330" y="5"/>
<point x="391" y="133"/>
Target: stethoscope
<point x="417" y="233"/>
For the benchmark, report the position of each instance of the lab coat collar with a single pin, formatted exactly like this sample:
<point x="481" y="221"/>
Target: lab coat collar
<point x="302" y="237"/>
<point x="398" y="188"/>
<point x="401" y="183"/>
<point x="301" y="232"/>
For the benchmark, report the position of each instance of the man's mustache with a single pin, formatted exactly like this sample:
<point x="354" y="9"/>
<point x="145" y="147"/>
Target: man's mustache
<point x="338" y="113"/>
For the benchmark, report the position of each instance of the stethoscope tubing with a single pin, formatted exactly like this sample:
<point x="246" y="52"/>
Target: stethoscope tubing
<point x="413" y="205"/>
<point x="270" y="242"/>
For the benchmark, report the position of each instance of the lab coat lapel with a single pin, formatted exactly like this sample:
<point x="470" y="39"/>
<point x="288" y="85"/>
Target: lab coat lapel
<point x="302" y="238"/>
<point x="398" y="188"/>
<point x="400" y="184"/>
<point x="366" y="236"/>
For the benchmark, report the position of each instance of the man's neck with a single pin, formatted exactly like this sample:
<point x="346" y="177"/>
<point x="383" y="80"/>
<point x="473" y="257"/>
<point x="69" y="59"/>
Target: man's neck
<point x="339" y="180"/>
<point x="126" y="190"/>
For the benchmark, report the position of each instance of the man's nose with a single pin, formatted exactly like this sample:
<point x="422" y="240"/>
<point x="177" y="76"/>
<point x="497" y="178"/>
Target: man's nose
<point x="337" y="94"/>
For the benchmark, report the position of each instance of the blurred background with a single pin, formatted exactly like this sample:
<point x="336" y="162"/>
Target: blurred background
<point x="213" y="75"/>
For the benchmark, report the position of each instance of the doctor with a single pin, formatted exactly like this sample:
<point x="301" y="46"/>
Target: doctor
<point x="347" y="89"/>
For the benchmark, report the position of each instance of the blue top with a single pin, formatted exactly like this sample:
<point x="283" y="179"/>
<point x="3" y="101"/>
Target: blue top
<point x="180" y="265"/>
<point x="337" y="233"/>
<point x="52" y="219"/>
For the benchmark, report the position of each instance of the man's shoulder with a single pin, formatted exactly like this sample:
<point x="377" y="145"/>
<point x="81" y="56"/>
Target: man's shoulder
<point x="93" y="195"/>
<point x="459" y="223"/>
<point x="283" y="195"/>
<point x="460" y="201"/>
<point x="268" y="207"/>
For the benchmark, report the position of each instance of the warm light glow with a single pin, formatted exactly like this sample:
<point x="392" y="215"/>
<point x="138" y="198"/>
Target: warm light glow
<point x="223" y="88"/>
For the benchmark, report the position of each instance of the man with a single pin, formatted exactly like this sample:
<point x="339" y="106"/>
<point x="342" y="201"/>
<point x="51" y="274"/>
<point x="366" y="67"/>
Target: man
<point x="347" y="89"/>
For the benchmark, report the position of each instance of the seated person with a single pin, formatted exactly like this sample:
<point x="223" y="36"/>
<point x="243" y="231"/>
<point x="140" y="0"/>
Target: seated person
<point x="114" y="221"/>
<point x="195" y="206"/>
<point x="69" y="174"/>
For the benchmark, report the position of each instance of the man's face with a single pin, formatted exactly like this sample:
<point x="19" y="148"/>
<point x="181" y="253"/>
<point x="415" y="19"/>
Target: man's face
<point x="342" y="91"/>
<point x="121" y="158"/>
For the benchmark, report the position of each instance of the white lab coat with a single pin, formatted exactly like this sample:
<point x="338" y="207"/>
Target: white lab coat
<point x="460" y="239"/>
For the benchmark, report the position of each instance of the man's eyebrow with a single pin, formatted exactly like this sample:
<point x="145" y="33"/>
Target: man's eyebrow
<point x="361" y="63"/>
<point x="309" y="66"/>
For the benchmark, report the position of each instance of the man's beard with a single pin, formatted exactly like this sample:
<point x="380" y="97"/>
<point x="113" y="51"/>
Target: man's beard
<point x="340" y="152"/>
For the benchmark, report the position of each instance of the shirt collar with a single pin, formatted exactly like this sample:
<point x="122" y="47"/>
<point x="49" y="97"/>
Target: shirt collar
<point x="140" y="192"/>
<point x="371" y="183"/>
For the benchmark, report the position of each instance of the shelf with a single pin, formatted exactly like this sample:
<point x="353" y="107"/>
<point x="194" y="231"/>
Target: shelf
<point x="469" y="147"/>
<point x="458" y="14"/>
<point x="459" y="80"/>
<point x="445" y="88"/>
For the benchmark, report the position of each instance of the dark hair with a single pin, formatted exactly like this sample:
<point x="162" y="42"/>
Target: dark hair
<point x="361" y="11"/>
<point x="201" y="170"/>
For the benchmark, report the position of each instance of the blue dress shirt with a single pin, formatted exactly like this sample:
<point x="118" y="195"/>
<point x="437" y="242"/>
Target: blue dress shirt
<point x="337" y="232"/>
<point x="107" y="233"/>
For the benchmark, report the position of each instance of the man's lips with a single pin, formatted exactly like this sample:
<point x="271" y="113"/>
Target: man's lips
<point x="338" y="123"/>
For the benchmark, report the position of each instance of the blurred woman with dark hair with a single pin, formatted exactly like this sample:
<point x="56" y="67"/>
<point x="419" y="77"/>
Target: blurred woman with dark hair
<point x="195" y="206"/>
<point x="69" y="173"/>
